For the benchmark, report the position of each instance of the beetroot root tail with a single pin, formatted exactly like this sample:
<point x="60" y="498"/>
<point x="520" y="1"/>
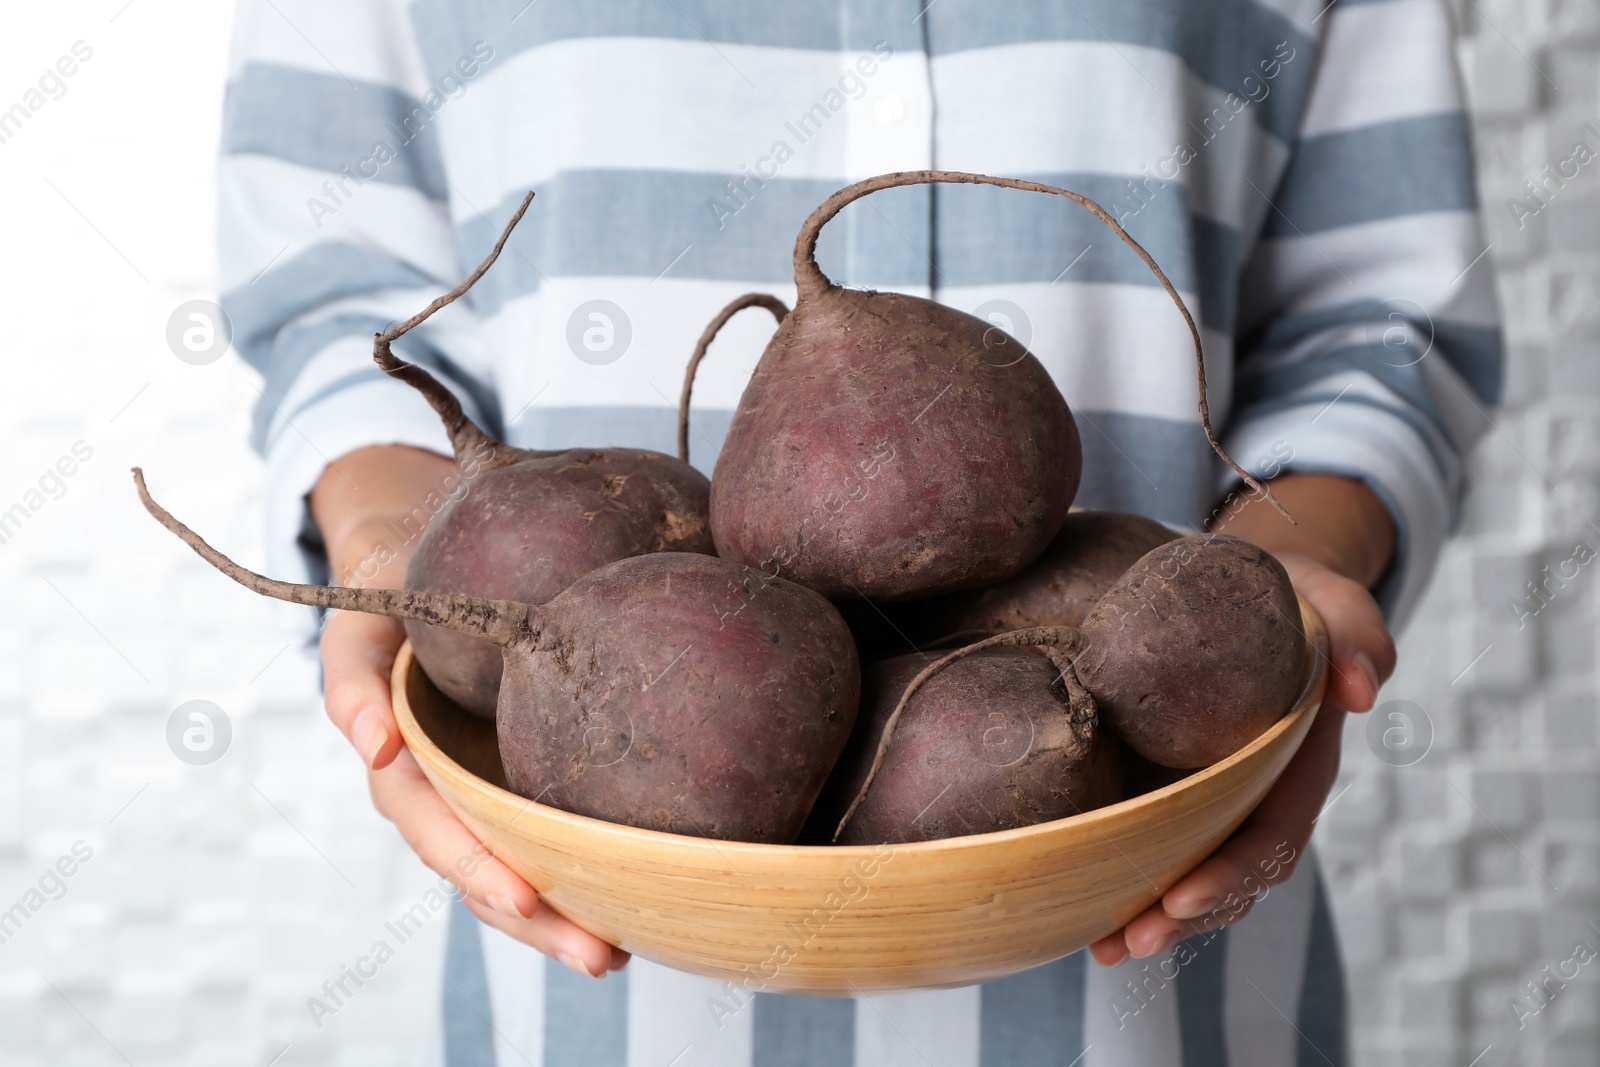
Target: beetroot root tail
<point x="779" y="310"/>
<point x="811" y="282"/>
<point x="500" y="621"/>
<point x="1049" y="636"/>
<point x="470" y="443"/>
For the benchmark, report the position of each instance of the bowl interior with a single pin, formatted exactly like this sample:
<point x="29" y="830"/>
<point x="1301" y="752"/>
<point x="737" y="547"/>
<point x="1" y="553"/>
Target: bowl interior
<point x="469" y="742"/>
<point x="932" y="913"/>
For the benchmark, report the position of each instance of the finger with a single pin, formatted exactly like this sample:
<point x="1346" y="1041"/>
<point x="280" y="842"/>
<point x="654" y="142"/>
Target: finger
<point x="403" y="795"/>
<point x="1361" y="649"/>
<point x="1261" y="853"/>
<point x="1239" y="873"/>
<point x="1154" y="931"/>
<point x="1110" y="950"/>
<point x="357" y="654"/>
<point x="1218" y="893"/>
<point x="550" y="934"/>
<point x="1264" y="851"/>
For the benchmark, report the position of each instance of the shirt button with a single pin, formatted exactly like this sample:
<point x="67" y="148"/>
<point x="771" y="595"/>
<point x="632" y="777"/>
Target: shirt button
<point x="889" y="110"/>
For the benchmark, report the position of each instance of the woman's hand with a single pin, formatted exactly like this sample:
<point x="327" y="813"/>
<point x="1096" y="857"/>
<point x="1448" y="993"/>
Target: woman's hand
<point x="364" y="510"/>
<point x="1342" y="545"/>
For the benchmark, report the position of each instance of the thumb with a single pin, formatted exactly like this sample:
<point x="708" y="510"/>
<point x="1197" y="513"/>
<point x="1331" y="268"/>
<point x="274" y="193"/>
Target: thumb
<point x="1359" y="643"/>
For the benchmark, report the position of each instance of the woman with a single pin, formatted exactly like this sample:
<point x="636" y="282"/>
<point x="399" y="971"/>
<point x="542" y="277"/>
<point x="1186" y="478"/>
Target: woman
<point x="1302" y="172"/>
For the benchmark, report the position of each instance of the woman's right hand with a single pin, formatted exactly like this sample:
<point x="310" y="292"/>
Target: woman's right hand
<point x="361" y="504"/>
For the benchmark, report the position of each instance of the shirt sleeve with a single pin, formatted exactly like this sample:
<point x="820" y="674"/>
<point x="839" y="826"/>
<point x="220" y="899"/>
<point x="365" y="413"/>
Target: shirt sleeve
<point x="334" y="224"/>
<point x="1369" y="342"/>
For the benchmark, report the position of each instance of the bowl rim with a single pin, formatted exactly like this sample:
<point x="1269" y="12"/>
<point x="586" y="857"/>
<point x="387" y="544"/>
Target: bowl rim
<point x="432" y="758"/>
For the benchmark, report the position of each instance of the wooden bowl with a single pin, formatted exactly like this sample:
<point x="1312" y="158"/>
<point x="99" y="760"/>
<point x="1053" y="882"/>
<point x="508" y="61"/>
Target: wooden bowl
<point x="810" y="919"/>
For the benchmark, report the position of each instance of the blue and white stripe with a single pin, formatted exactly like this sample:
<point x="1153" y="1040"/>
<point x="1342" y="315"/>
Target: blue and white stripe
<point x="1266" y="992"/>
<point x="1302" y="174"/>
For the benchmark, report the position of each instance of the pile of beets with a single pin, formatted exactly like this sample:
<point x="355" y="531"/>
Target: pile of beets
<point x="880" y="621"/>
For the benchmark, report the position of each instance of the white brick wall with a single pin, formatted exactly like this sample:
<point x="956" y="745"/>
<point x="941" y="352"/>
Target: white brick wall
<point x="205" y="917"/>
<point x="1461" y="876"/>
<point x="208" y="913"/>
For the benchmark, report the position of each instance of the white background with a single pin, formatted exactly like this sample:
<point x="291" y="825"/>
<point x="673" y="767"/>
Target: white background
<point x="223" y="896"/>
<point x="219" y="898"/>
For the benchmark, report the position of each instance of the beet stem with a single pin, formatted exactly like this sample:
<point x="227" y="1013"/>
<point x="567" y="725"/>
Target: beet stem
<point x="499" y="621"/>
<point x="469" y="442"/>
<point x="395" y="332"/>
<point x="812" y="283"/>
<point x="779" y="311"/>
<point x="1053" y="636"/>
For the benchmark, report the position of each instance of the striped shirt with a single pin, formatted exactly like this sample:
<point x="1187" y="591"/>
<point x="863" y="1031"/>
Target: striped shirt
<point x="1265" y="992"/>
<point x="1301" y="170"/>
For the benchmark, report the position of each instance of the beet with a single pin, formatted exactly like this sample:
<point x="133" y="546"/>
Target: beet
<point x="749" y="300"/>
<point x="531" y="522"/>
<point x="994" y="742"/>
<point x="672" y="691"/>
<point x="1195" y="651"/>
<point x="889" y="447"/>
<point x="1086" y="558"/>
<point x="1058" y="644"/>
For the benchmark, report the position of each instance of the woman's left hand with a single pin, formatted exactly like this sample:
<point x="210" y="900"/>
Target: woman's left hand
<point x="1265" y="849"/>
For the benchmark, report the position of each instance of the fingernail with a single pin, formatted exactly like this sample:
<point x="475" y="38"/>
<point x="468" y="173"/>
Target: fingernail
<point x="1199" y="908"/>
<point x="573" y="964"/>
<point x="1369" y="672"/>
<point x="369" y="735"/>
<point x="1160" y="946"/>
<point x="505" y="907"/>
